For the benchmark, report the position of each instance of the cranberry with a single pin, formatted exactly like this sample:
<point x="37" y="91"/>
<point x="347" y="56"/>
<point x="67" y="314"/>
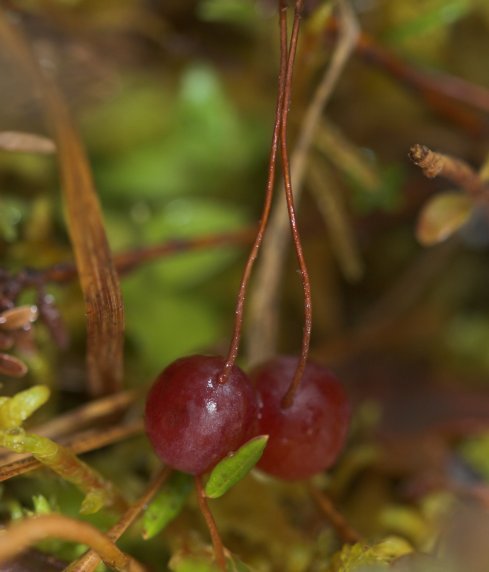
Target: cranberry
<point x="193" y="420"/>
<point x="306" y="437"/>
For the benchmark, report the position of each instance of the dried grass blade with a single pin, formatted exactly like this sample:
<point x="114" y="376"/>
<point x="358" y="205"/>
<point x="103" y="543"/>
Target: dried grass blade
<point x="98" y="276"/>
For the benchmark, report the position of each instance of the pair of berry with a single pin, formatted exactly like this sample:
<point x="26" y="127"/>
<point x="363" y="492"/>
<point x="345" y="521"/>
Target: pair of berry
<point x="193" y="420"/>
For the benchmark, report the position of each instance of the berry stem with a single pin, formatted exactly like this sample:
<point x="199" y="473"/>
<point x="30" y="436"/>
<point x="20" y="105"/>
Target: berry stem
<point x="211" y="525"/>
<point x="343" y="528"/>
<point x="238" y="321"/>
<point x="306" y="284"/>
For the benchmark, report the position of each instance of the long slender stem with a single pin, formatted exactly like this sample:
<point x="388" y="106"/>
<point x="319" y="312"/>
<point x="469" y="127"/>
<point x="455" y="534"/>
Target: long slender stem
<point x="238" y="321"/>
<point x="306" y="283"/>
<point x="263" y="319"/>
<point x="211" y="525"/>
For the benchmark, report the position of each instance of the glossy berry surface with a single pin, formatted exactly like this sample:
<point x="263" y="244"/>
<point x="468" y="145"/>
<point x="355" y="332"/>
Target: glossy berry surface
<point x="306" y="437"/>
<point x="192" y="420"/>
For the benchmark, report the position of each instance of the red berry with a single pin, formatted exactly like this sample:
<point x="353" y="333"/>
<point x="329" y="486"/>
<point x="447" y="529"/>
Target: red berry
<point x="192" y="420"/>
<point x="306" y="437"/>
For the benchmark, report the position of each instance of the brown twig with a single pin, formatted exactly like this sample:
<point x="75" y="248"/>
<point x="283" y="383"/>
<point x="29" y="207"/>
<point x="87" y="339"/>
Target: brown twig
<point x="238" y="321"/>
<point x="344" y="530"/>
<point x="88" y="414"/>
<point x="442" y="92"/>
<point x="435" y="164"/>
<point x="211" y="525"/>
<point x="81" y="443"/>
<point x="90" y="560"/>
<point x="128" y="260"/>
<point x="19" y="536"/>
<point x="263" y="320"/>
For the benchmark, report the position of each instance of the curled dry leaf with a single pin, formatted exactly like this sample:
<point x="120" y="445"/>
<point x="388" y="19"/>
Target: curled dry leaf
<point x="26" y="142"/>
<point x="12" y="366"/>
<point x="18" y="318"/>
<point x="442" y="216"/>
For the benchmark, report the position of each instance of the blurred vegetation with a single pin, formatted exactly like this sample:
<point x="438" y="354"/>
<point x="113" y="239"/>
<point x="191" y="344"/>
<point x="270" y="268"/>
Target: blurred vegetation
<point x="174" y="101"/>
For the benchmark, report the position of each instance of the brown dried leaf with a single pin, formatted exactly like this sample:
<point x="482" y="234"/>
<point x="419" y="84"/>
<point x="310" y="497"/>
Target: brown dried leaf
<point x="12" y="366"/>
<point x="26" y="143"/>
<point x="441" y="216"/>
<point x="98" y="277"/>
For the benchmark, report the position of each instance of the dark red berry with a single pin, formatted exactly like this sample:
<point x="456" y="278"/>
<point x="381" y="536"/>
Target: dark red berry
<point x="192" y="420"/>
<point x="306" y="437"/>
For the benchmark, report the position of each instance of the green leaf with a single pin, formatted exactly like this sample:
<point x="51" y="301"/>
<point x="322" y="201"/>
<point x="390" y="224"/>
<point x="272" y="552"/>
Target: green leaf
<point x="441" y="216"/>
<point x="167" y="504"/>
<point x="234" y="467"/>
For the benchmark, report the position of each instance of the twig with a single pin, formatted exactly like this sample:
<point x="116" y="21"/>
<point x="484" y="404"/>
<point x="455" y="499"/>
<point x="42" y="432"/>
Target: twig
<point x="344" y="530"/>
<point x="455" y="170"/>
<point x="262" y="332"/>
<point x="88" y="414"/>
<point x="19" y="536"/>
<point x="126" y="261"/>
<point x="211" y="525"/>
<point x="83" y="443"/>
<point x="98" y="491"/>
<point x="90" y="560"/>
<point x="442" y="92"/>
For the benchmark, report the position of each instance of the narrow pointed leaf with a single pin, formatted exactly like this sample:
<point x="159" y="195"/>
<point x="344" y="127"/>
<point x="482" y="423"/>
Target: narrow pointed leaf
<point x="98" y="277"/>
<point x="234" y="467"/>
<point x="167" y="504"/>
<point x="442" y="216"/>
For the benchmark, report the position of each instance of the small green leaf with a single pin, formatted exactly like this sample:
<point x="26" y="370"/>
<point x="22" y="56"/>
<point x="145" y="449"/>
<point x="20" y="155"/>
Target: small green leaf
<point x="167" y="504"/>
<point x="441" y="216"/>
<point x="234" y="467"/>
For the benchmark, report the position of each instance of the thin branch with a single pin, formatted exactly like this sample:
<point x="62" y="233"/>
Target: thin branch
<point x="211" y="525"/>
<point x="435" y="164"/>
<point x="19" y="536"/>
<point x="88" y="414"/>
<point x="128" y="260"/>
<point x="82" y="443"/>
<point x="262" y="332"/>
<point x="442" y="92"/>
<point x="90" y="560"/>
<point x="344" y="530"/>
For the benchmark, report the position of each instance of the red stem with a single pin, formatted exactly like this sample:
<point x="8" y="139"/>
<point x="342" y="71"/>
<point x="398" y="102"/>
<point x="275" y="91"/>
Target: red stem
<point x="211" y="525"/>
<point x="306" y="284"/>
<point x="238" y="321"/>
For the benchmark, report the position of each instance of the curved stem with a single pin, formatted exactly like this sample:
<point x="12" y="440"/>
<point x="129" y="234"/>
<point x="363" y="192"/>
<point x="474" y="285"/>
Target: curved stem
<point x="20" y="536"/>
<point x="211" y="525"/>
<point x="238" y="321"/>
<point x="306" y="284"/>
